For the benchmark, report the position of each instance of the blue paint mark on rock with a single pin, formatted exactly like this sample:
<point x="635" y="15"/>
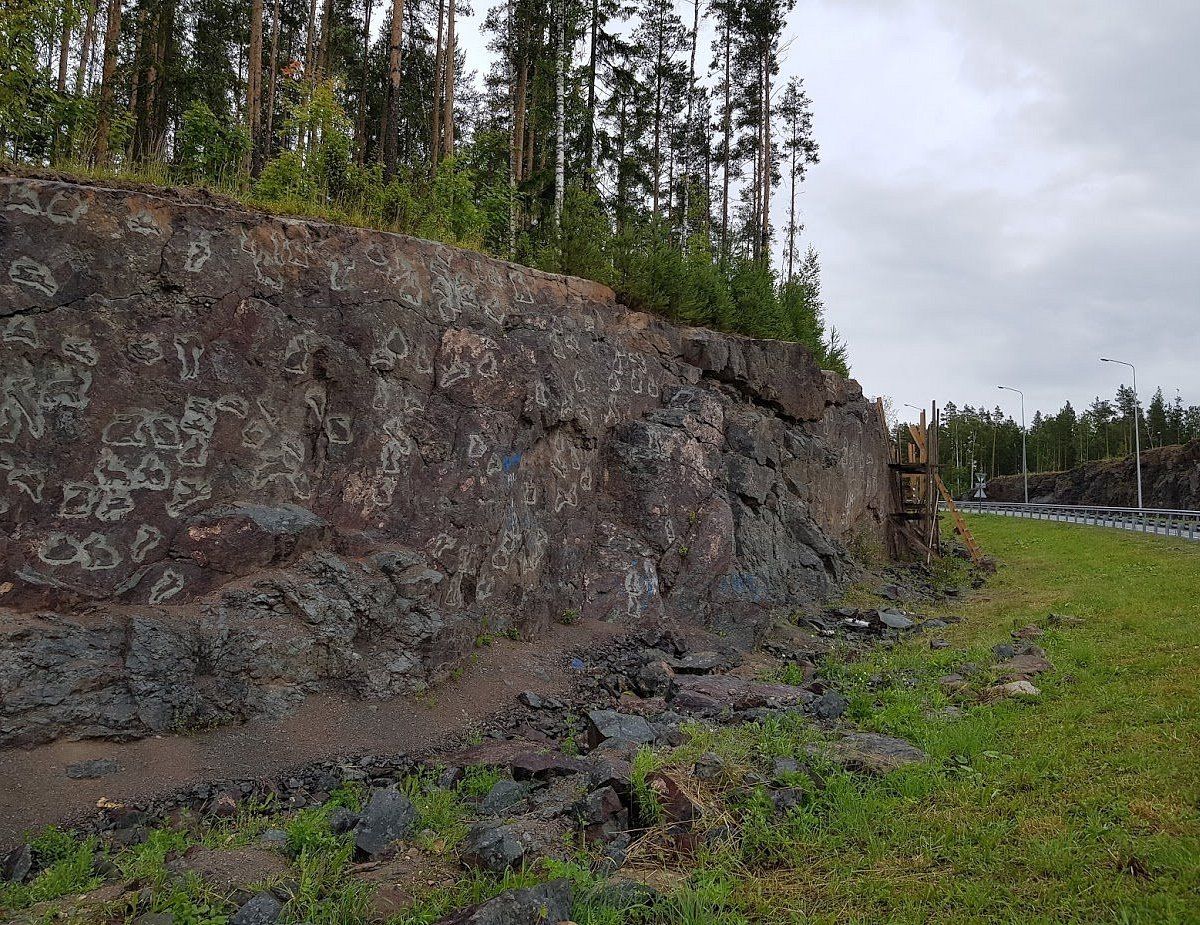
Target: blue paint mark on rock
<point x="512" y="462"/>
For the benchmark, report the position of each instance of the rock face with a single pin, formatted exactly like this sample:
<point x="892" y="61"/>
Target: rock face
<point x="243" y="459"/>
<point x="1170" y="479"/>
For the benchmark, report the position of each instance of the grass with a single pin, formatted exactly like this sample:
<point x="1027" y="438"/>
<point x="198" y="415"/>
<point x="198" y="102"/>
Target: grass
<point x="1082" y="806"/>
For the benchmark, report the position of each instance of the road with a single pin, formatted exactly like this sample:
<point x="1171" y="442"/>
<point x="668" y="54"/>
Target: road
<point x="1183" y="524"/>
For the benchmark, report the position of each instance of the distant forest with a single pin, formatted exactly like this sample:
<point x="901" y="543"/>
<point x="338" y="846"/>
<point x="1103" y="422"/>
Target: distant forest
<point x="604" y="139"/>
<point x="991" y="440"/>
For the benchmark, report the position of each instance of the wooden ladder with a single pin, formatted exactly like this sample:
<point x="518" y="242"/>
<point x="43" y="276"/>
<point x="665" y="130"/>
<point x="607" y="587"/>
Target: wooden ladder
<point x="959" y="523"/>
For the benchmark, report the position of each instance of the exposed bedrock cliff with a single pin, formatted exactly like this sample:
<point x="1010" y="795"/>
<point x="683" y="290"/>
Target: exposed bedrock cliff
<point x="244" y="459"/>
<point x="1170" y="479"/>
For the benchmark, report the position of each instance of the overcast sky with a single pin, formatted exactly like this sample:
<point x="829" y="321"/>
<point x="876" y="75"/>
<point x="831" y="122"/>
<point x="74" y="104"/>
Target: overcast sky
<point x="1008" y="190"/>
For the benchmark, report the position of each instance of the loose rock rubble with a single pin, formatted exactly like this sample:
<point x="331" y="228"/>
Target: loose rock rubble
<point x="563" y="767"/>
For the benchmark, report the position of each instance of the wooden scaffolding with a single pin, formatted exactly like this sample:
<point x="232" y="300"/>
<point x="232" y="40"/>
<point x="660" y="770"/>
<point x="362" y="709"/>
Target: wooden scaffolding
<point x="916" y="489"/>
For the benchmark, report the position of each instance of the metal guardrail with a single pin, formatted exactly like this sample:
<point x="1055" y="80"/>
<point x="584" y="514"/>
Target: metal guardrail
<point x="1183" y="524"/>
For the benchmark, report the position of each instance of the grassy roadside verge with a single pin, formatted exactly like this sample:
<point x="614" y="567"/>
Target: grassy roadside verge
<point x="1080" y="806"/>
<point x="1083" y="806"/>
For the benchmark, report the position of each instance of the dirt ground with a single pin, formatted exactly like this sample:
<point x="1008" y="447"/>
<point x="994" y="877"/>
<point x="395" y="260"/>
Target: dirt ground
<point x="35" y="790"/>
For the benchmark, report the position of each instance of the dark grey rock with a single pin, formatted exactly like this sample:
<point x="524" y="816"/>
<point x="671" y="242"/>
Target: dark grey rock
<point x="262" y="909"/>
<point x="1003" y="652"/>
<point x="895" y="620"/>
<point x="654" y="679"/>
<point x="17" y="864"/>
<point x="701" y="663"/>
<point x="92" y="768"/>
<point x="939" y="644"/>
<point x="609" y="724"/>
<point x="624" y="895"/>
<point x="829" y="706"/>
<point x="544" y="904"/>
<point x="615" y="853"/>
<point x="786" y="799"/>
<point x="504" y="795"/>
<point x="784" y="766"/>
<point x="155" y="918"/>
<point x="531" y="700"/>
<point x="493" y="847"/>
<point x="342" y="819"/>
<point x="388" y="817"/>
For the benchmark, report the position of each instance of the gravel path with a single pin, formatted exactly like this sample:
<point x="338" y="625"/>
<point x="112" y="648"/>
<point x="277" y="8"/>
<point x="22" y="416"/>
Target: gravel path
<point x="36" y="790"/>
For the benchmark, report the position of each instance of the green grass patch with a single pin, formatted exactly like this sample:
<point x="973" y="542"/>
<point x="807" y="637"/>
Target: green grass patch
<point x="1081" y="807"/>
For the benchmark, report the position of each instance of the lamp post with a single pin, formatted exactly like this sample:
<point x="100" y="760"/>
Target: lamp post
<point x="1024" y="458"/>
<point x="1137" y="440"/>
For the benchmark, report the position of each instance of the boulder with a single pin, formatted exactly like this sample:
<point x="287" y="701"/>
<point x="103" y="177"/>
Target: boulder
<point x="739" y="693"/>
<point x="539" y="765"/>
<point x="829" y="706"/>
<point x="1023" y="667"/>
<point x="504" y="795"/>
<point x="493" y="847"/>
<point x="894" y="619"/>
<point x="1020" y="689"/>
<point x="262" y="909"/>
<point x="609" y="724"/>
<point x="654" y="679"/>
<point x="544" y="904"/>
<point x="875" y="754"/>
<point x="17" y="864"/>
<point x="603" y="814"/>
<point x="388" y="817"/>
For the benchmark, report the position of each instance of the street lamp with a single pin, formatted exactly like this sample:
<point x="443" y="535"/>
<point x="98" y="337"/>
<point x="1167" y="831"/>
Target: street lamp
<point x="1024" y="458"/>
<point x="1137" y="440"/>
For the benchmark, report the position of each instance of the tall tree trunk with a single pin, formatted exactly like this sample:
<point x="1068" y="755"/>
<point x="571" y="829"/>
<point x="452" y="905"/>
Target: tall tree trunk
<point x="727" y="128"/>
<point x="85" y="51"/>
<point x="273" y="75"/>
<point x="136" y="78"/>
<point x="391" y="132"/>
<point x="791" y="232"/>
<point x="64" y="47"/>
<point x="560" y="135"/>
<point x="513" y="152"/>
<point x="767" y="161"/>
<point x="310" y="45"/>
<point x="519" y="129"/>
<point x="530" y="146"/>
<point x="254" y="62"/>
<point x="325" y="53"/>
<point x="688" y="133"/>
<point x="449" y="60"/>
<point x="589" y="130"/>
<point x="657" y="158"/>
<point x="157" y="107"/>
<point x="435" y="140"/>
<point x="360" y="124"/>
<point x="112" y="34"/>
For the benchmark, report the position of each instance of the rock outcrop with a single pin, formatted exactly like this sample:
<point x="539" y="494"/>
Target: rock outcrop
<point x="1170" y="480"/>
<point x="243" y="459"/>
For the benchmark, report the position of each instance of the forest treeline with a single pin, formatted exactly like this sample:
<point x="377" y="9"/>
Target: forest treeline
<point x="989" y="441"/>
<point x="604" y="139"/>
